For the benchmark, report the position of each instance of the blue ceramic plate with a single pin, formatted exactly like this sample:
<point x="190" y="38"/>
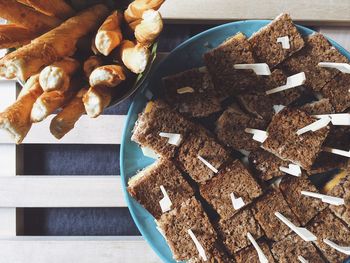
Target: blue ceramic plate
<point x="187" y="55"/>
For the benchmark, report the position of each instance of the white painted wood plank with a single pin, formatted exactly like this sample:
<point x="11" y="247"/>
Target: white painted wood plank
<point x="339" y="34"/>
<point x="61" y="191"/>
<point x="76" y="249"/>
<point x="207" y="11"/>
<point x="8" y="218"/>
<point x="106" y="129"/>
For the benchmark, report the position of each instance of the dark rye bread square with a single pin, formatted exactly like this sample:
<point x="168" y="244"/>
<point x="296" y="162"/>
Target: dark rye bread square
<point x="234" y="178"/>
<point x="337" y="91"/>
<point x="260" y="104"/>
<point x="317" y="49"/>
<point x="266" y="164"/>
<point x="203" y="101"/>
<point x="175" y="224"/>
<point x="288" y="249"/>
<point x="319" y="107"/>
<point x="234" y="230"/>
<point x="201" y="143"/>
<point x="327" y="226"/>
<point x="304" y="207"/>
<point x="216" y="255"/>
<point x="231" y="125"/>
<point x="220" y="62"/>
<point x="342" y="190"/>
<point x="145" y="186"/>
<point x="159" y="117"/>
<point x="264" y="41"/>
<point x="250" y="255"/>
<point x="285" y="143"/>
<point x="264" y="211"/>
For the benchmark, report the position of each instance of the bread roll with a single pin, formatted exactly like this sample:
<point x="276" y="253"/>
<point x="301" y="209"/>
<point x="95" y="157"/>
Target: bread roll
<point x="137" y="7"/>
<point x="134" y="57"/>
<point x="108" y="76"/>
<point x="12" y="35"/>
<point x="96" y="99"/>
<point x="150" y="27"/>
<point x="91" y="63"/>
<point x="57" y="8"/>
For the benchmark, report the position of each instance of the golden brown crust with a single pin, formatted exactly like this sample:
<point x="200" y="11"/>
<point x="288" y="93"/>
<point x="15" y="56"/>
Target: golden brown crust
<point x="65" y="120"/>
<point x="91" y="63"/>
<point x="50" y="47"/>
<point x="108" y="76"/>
<point x="109" y="35"/>
<point x="57" y="8"/>
<point x="134" y="57"/>
<point x="96" y="99"/>
<point x="27" y="17"/>
<point x="149" y="28"/>
<point x="16" y="118"/>
<point x="12" y="35"/>
<point x="137" y="7"/>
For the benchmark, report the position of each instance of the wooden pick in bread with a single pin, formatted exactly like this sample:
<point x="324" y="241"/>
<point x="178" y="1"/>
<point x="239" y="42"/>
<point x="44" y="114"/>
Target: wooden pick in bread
<point x="27" y="17"/>
<point x="109" y="35"/>
<point x="136" y="8"/>
<point x="52" y="46"/>
<point x="65" y="120"/>
<point x="12" y="35"/>
<point x="16" y="119"/>
<point x="90" y="64"/>
<point x="96" y="99"/>
<point x="134" y="57"/>
<point x="57" y="76"/>
<point x="108" y="76"/>
<point x="150" y="27"/>
<point x="57" y="8"/>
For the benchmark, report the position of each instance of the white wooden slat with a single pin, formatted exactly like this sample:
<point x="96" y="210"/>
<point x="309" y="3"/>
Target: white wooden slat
<point x="8" y="217"/>
<point x="61" y="191"/>
<point x="76" y="249"/>
<point x="338" y="34"/>
<point x="106" y="129"/>
<point x="207" y="11"/>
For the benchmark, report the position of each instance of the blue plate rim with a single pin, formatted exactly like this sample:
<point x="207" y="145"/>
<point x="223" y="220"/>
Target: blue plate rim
<point x="145" y="84"/>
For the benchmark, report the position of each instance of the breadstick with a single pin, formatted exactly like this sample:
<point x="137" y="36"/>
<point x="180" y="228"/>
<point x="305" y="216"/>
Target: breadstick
<point x="90" y="64"/>
<point x="96" y="99"/>
<point x="14" y="36"/>
<point x="27" y="17"/>
<point x="109" y="34"/>
<point x="65" y="120"/>
<point x="33" y="80"/>
<point x="136" y="9"/>
<point x="16" y="118"/>
<point x="134" y="57"/>
<point x="149" y="28"/>
<point x="108" y="76"/>
<point x="50" y="47"/>
<point x="57" y="8"/>
<point x="57" y="76"/>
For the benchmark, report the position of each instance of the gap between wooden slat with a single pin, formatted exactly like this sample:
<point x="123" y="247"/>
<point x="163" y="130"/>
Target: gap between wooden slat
<point x="312" y="12"/>
<point x="106" y="129"/>
<point x="76" y="249"/>
<point x="61" y="191"/>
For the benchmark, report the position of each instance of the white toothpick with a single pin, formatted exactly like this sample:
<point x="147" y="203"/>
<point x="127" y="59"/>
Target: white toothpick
<point x="185" y="90"/>
<point x="337" y="151"/>
<point x="284" y="41"/>
<point x="261" y="255"/>
<point x="209" y="165"/>
<point x="325" y="198"/>
<point x="149" y="153"/>
<point x="337" y="119"/>
<point x="292" y="82"/>
<point x="341" y="249"/>
<point x="258" y="68"/>
<point x="317" y="125"/>
<point x="278" y="108"/>
<point x="292" y="169"/>
<point x="258" y="135"/>
<point x="20" y="82"/>
<point x="237" y="202"/>
<point x="198" y="245"/>
<point x="302" y="259"/>
<point x="174" y="138"/>
<point x="342" y="67"/>
<point x="165" y="202"/>
<point x="300" y="231"/>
